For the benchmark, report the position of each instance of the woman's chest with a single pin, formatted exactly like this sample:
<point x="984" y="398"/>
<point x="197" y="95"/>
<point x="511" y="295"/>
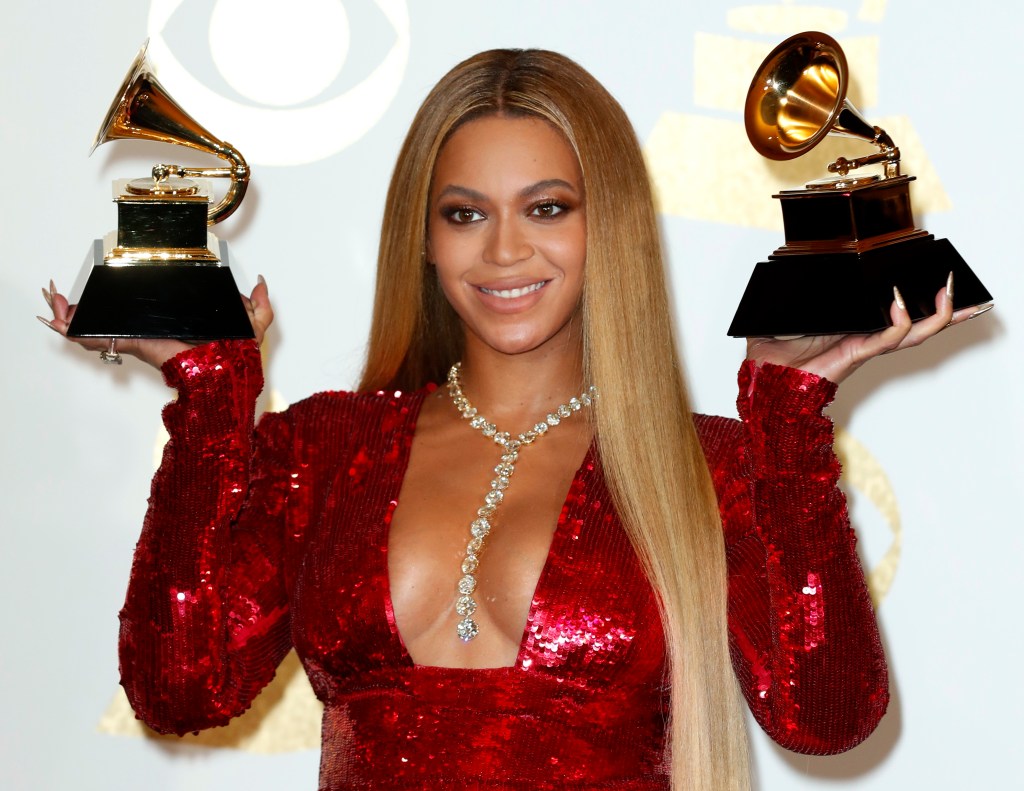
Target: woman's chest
<point x="590" y="613"/>
<point x="470" y="539"/>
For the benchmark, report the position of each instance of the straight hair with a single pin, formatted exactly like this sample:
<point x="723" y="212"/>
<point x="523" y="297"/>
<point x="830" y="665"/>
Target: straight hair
<point x="649" y="449"/>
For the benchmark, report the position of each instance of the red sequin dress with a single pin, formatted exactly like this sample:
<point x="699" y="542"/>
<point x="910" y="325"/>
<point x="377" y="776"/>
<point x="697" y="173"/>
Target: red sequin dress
<point x="258" y="541"/>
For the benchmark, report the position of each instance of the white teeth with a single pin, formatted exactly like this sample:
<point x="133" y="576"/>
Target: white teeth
<point x="512" y="293"/>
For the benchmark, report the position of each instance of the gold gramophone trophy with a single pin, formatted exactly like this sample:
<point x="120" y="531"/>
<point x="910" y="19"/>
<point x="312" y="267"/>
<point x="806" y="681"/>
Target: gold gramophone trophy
<point x="851" y="238"/>
<point x="162" y="274"/>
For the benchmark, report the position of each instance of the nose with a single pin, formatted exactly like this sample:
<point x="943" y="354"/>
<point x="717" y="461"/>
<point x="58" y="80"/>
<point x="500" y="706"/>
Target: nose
<point x="508" y="242"/>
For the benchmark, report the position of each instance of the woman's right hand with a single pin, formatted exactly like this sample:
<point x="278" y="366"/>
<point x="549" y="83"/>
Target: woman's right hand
<point x="155" y="351"/>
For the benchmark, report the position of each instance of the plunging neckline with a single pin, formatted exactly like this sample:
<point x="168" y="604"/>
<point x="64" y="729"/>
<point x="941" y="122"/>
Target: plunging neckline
<point x="557" y="539"/>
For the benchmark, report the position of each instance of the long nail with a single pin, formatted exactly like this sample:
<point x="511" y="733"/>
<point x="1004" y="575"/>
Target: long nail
<point x="53" y="289"/>
<point x="899" y="298"/>
<point x="949" y="287"/>
<point x="49" y="324"/>
<point x="260" y="280"/>
<point x="980" y="311"/>
<point x="47" y="297"/>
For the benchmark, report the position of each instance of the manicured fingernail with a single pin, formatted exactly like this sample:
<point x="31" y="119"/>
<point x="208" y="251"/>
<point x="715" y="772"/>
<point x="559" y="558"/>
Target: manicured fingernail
<point x="49" y="324"/>
<point x="53" y="288"/>
<point x="949" y="287"/>
<point x="899" y="298"/>
<point x="980" y="311"/>
<point x="260" y="280"/>
<point x="47" y="297"/>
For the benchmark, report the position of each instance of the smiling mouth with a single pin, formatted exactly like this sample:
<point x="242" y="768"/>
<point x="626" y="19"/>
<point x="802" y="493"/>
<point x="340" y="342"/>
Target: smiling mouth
<point x="513" y="293"/>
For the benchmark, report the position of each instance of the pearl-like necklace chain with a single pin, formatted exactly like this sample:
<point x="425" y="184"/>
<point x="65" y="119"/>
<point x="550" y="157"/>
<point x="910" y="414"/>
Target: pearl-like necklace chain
<point x="479" y="528"/>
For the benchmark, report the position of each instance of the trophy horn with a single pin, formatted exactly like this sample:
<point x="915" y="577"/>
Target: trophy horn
<point x="798" y="97"/>
<point x="143" y="110"/>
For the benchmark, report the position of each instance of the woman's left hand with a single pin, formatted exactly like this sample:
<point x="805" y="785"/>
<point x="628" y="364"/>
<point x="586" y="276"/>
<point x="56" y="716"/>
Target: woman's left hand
<point x="837" y="356"/>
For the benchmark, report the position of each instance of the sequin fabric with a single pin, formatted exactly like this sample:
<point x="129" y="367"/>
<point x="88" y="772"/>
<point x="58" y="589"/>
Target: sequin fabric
<point x="258" y="540"/>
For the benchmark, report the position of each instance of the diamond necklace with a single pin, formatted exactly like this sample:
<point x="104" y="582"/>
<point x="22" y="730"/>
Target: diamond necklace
<point x="479" y="528"/>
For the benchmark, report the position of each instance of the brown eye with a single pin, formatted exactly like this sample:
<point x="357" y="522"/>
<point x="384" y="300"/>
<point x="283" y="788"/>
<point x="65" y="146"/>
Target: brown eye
<point x="461" y="215"/>
<point x="548" y="210"/>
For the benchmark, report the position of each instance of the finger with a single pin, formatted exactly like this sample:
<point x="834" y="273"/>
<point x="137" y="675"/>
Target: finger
<point x="260" y="297"/>
<point x="58" y="302"/>
<point x="891" y="338"/>
<point x="260" y="292"/>
<point x="62" y="314"/>
<point x="966" y="314"/>
<point x="979" y="311"/>
<point x="937" y="322"/>
<point x="49" y="324"/>
<point x="59" y="307"/>
<point x="262" y="312"/>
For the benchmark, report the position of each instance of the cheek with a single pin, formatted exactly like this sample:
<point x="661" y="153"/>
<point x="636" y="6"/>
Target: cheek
<point x="445" y="246"/>
<point x="445" y="261"/>
<point x="570" y="252"/>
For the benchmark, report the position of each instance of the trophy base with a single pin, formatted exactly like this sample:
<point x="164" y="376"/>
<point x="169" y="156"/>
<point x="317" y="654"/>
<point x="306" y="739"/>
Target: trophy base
<point x="832" y="293"/>
<point x="186" y="301"/>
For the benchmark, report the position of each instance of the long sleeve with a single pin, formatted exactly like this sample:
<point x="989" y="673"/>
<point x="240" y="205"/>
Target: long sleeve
<point x="803" y="635"/>
<point x="205" y="621"/>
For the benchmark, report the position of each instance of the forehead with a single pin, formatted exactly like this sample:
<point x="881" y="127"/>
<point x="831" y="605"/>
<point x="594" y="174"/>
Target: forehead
<point x="506" y="149"/>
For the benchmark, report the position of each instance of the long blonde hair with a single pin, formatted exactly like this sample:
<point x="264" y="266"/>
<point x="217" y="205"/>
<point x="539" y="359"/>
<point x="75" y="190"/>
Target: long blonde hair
<point x="649" y="450"/>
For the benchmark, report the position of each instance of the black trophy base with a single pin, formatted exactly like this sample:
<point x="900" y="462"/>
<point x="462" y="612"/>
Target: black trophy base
<point x="158" y="300"/>
<point x="851" y="292"/>
<point x="161" y="224"/>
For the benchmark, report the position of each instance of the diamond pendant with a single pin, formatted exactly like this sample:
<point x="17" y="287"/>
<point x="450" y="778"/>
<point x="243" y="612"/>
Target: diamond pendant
<point x="467" y="629"/>
<point x="465" y="605"/>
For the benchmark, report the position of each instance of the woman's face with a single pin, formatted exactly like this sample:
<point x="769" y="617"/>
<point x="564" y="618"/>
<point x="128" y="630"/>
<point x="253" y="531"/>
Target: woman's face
<point x="507" y="232"/>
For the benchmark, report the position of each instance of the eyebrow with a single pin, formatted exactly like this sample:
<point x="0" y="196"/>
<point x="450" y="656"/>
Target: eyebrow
<point x="525" y="192"/>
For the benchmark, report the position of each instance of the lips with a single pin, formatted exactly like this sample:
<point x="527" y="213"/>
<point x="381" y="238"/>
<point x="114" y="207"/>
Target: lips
<point x="514" y="293"/>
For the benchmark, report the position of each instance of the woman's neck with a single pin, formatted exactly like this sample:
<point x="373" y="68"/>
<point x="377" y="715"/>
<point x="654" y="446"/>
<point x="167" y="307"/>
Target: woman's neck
<point x="516" y="390"/>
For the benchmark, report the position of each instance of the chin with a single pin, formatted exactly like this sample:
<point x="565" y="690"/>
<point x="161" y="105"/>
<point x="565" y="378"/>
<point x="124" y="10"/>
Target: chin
<point x="513" y="347"/>
<point x="515" y="343"/>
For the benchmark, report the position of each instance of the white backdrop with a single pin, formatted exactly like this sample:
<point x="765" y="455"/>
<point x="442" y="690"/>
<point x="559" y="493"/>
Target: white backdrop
<point x="318" y="97"/>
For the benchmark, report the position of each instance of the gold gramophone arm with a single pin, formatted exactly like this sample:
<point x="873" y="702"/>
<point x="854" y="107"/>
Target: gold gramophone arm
<point x="889" y="155"/>
<point x="238" y="173"/>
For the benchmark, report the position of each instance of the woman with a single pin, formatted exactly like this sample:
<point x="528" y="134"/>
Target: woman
<point x="589" y="645"/>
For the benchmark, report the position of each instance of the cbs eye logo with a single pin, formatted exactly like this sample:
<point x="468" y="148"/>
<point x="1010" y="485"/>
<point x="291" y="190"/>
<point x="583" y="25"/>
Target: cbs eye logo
<point x="287" y="83"/>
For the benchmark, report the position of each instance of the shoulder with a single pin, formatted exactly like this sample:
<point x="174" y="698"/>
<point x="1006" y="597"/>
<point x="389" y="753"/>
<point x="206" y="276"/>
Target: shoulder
<point x="348" y="405"/>
<point x="338" y="415"/>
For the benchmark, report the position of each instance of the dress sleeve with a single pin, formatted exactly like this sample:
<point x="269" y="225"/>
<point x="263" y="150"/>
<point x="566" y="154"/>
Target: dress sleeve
<point x="205" y="621"/>
<point x="803" y="635"/>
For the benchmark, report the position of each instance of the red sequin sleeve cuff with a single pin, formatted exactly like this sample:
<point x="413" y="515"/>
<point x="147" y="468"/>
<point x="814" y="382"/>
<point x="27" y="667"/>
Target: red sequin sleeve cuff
<point x="205" y="622"/>
<point x="805" y="641"/>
